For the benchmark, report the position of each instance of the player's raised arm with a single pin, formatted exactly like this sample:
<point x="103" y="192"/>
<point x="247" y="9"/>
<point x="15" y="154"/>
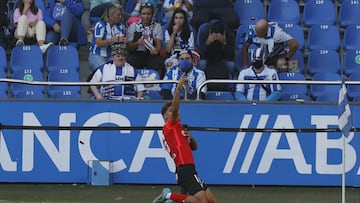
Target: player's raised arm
<point x="176" y="100"/>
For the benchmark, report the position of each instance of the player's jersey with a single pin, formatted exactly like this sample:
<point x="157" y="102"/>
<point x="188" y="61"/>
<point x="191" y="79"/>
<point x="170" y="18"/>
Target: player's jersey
<point x="177" y="144"/>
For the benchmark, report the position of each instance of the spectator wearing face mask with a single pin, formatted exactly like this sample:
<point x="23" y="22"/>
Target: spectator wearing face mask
<point x="258" y="71"/>
<point x="185" y="68"/>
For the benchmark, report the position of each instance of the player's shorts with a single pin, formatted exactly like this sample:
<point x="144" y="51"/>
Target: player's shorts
<point x="188" y="179"/>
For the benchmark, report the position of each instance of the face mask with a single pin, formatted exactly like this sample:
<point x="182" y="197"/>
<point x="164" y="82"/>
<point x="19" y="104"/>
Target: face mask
<point x="257" y="64"/>
<point x="185" y="65"/>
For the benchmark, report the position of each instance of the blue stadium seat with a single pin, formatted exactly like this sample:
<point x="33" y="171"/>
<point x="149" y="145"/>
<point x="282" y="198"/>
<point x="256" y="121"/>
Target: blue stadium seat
<point x="324" y="37"/>
<point x="285" y="11"/>
<point x="293" y="88"/>
<point x="294" y="97"/>
<point x="66" y="94"/>
<point x="319" y="12"/>
<point x="26" y="57"/>
<point x="296" y="31"/>
<point x="352" y="37"/>
<point x="3" y="59"/>
<point x="354" y="90"/>
<point x="146" y="74"/>
<point x="317" y="90"/>
<point x="241" y="33"/>
<point x="62" y="57"/>
<point x="349" y="13"/>
<point x="154" y="94"/>
<point x="199" y="33"/>
<point x="63" y="75"/>
<point x="219" y="95"/>
<point x="27" y="74"/>
<point x="249" y="10"/>
<point x="330" y="97"/>
<point x="29" y="94"/>
<point x="323" y="61"/>
<point x="129" y="7"/>
<point x="351" y="63"/>
<point x="3" y="86"/>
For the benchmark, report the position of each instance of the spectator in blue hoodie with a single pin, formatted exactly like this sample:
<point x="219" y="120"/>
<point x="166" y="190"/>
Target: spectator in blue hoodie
<point x="63" y="21"/>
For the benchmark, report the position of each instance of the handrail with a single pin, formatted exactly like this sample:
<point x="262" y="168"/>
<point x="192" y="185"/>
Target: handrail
<point x="311" y="82"/>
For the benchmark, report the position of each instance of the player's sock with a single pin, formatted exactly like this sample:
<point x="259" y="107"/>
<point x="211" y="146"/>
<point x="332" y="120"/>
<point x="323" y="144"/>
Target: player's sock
<point x="178" y="197"/>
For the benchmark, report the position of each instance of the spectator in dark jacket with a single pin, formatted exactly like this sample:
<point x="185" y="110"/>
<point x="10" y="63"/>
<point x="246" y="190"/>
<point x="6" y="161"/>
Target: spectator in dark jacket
<point x="63" y="20"/>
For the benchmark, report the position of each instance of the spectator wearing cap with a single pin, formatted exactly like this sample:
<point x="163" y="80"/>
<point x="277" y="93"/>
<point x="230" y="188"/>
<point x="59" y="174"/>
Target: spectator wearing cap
<point x="117" y="70"/>
<point x="145" y="41"/>
<point x="258" y="71"/>
<point x="185" y="68"/>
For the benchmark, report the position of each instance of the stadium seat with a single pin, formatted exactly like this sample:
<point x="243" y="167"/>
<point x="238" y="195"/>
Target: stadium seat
<point x="149" y="75"/>
<point x="129" y="7"/>
<point x="330" y="97"/>
<point x="219" y="95"/>
<point x="63" y="75"/>
<point x="323" y="61"/>
<point x="26" y="57"/>
<point x="199" y="33"/>
<point x="324" y="37"/>
<point x="352" y="37"/>
<point x="27" y="75"/>
<point x="319" y="12"/>
<point x="3" y="60"/>
<point x="241" y="33"/>
<point x="238" y="57"/>
<point x="285" y="11"/>
<point x="351" y="63"/>
<point x="3" y="86"/>
<point x="349" y="13"/>
<point x="154" y="94"/>
<point x="354" y="90"/>
<point x="62" y="57"/>
<point x="296" y="31"/>
<point x="249" y="10"/>
<point x="66" y="94"/>
<point x="321" y="89"/>
<point x="29" y="94"/>
<point x="293" y="88"/>
<point x="294" y="97"/>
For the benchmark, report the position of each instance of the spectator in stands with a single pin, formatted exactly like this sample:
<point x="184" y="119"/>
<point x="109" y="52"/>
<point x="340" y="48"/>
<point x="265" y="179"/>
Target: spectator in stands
<point x="207" y="10"/>
<point x="29" y="23"/>
<point x="135" y="14"/>
<point x="217" y="49"/>
<point x="63" y="20"/>
<point x="170" y="6"/>
<point x="185" y="68"/>
<point x="145" y="41"/>
<point x="258" y="71"/>
<point x="274" y="41"/>
<point x="107" y="31"/>
<point x="117" y="70"/>
<point x="4" y="31"/>
<point x="178" y="36"/>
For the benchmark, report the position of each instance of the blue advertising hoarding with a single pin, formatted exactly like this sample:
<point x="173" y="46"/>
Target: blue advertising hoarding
<point x="137" y="156"/>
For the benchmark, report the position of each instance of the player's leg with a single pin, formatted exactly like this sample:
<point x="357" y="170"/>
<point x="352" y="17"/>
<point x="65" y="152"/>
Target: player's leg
<point x="210" y="196"/>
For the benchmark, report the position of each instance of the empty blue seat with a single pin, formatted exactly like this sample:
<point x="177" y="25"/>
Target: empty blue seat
<point x="3" y="59"/>
<point x="66" y="94"/>
<point x="296" y="31"/>
<point x="295" y="97"/>
<point x="219" y="95"/>
<point x="26" y="57"/>
<point x="27" y="75"/>
<point x="3" y="86"/>
<point x="323" y="61"/>
<point x="284" y="11"/>
<point x="349" y="13"/>
<point x="297" y="60"/>
<point x="319" y="12"/>
<point x="324" y="37"/>
<point x="154" y="94"/>
<point x="293" y="88"/>
<point x="63" y="75"/>
<point x="148" y="75"/>
<point x="352" y="37"/>
<point x="62" y="57"/>
<point x="351" y="61"/>
<point x="249" y="10"/>
<point x="29" y="94"/>
<point x="321" y="89"/>
<point x="354" y="90"/>
<point x="329" y="97"/>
